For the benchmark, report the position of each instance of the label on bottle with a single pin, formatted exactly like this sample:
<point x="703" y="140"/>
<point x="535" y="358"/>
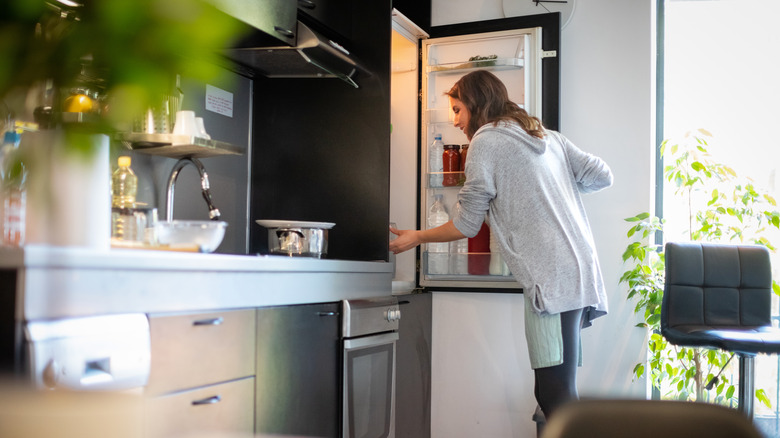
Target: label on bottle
<point x="14" y="211"/>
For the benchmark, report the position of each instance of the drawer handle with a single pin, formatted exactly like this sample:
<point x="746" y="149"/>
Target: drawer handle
<point x="207" y="401"/>
<point x="285" y="32"/>
<point x="327" y="313"/>
<point x="210" y="321"/>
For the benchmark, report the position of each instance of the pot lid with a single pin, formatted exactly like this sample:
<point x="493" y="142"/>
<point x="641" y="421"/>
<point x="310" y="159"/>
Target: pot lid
<point x="279" y="223"/>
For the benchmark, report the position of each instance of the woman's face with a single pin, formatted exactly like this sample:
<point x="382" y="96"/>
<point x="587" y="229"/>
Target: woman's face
<point x="462" y="114"/>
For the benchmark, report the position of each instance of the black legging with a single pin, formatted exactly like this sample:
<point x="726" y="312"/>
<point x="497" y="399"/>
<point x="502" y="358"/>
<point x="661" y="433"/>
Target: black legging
<point x="557" y="384"/>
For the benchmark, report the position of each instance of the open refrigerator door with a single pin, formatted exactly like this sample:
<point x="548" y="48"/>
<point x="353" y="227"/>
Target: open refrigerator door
<point x="512" y="55"/>
<point x="522" y="52"/>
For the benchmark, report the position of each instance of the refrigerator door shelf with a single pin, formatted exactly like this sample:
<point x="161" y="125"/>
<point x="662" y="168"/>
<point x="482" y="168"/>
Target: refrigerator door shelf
<point x="454" y="266"/>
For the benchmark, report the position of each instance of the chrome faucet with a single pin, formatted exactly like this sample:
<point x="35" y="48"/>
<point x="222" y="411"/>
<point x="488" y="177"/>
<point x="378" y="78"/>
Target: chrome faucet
<point x="204" y="184"/>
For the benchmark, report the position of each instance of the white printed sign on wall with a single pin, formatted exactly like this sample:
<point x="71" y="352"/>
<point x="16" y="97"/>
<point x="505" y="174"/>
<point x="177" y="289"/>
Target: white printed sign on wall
<point x="219" y="101"/>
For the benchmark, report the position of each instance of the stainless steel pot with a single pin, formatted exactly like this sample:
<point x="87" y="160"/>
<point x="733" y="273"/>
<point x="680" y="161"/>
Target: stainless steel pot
<point x="296" y="238"/>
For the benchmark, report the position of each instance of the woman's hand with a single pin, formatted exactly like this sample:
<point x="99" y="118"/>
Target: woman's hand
<point x="406" y="240"/>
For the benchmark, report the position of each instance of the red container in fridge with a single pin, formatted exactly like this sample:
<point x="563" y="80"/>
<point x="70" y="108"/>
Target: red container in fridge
<point x="479" y="252"/>
<point x="451" y="165"/>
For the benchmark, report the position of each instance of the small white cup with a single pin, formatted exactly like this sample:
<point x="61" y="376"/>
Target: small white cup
<point x="201" y="128"/>
<point x="185" y="123"/>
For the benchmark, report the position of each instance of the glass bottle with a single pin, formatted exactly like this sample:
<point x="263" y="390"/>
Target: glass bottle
<point x="451" y="165"/>
<point x="14" y="191"/>
<point x="435" y="165"/>
<point x="124" y="187"/>
<point x="124" y="184"/>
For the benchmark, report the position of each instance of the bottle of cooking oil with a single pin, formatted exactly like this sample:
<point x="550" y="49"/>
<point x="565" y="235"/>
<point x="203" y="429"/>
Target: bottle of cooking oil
<point x="124" y="186"/>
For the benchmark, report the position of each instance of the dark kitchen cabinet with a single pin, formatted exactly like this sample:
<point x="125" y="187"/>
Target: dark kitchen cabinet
<point x="321" y="149"/>
<point x="275" y="19"/>
<point x="298" y="375"/>
<point x="328" y="16"/>
<point x="9" y="345"/>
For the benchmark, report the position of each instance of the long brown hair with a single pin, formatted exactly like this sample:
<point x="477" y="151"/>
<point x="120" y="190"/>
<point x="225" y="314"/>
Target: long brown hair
<point x="487" y="101"/>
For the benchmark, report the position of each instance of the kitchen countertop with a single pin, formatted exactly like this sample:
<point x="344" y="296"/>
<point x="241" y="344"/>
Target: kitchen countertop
<point x="58" y="282"/>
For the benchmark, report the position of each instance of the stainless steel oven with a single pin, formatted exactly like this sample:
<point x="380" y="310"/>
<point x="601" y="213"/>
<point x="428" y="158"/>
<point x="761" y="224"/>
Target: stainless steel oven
<point x="370" y="333"/>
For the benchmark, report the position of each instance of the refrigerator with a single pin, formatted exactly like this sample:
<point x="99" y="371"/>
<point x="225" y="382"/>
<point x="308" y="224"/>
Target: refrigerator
<point x="524" y="53"/>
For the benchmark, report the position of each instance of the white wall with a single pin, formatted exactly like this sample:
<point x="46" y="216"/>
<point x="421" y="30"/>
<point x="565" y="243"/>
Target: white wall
<point x="482" y="382"/>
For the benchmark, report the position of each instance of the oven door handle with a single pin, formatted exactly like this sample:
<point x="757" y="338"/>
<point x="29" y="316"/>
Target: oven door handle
<point x="370" y="341"/>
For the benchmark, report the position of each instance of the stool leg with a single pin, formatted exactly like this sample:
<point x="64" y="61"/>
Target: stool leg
<point x="746" y="385"/>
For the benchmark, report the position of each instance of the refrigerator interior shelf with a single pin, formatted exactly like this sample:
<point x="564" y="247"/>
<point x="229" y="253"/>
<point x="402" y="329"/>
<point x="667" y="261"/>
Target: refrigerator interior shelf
<point x="464" y="266"/>
<point x="461" y="177"/>
<point x="438" y="116"/>
<point x="488" y="64"/>
<point x="177" y="146"/>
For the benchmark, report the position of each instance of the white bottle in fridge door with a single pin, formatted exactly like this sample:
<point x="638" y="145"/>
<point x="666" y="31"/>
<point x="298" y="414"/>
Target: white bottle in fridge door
<point x="459" y="252"/>
<point x="435" y="163"/>
<point x="438" y="253"/>
<point x="497" y="264"/>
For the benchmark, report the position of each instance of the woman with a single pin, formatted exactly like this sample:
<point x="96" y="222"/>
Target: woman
<point x="527" y="181"/>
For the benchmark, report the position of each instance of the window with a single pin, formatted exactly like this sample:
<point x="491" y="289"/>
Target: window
<point x="721" y="73"/>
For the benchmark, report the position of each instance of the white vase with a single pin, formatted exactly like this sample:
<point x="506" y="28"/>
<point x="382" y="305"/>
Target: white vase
<point x="68" y="189"/>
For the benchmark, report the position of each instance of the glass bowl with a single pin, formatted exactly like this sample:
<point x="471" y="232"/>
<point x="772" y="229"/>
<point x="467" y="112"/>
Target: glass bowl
<point x="203" y="236"/>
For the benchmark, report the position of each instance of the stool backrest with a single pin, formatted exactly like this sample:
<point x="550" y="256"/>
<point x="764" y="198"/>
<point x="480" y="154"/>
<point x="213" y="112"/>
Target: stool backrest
<point x="716" y="286"/>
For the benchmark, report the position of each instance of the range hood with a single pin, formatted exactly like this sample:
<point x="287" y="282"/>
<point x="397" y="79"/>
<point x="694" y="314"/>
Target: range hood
<point x="313" y="57"/>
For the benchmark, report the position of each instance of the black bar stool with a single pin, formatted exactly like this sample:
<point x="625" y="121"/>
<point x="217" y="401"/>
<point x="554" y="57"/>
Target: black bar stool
<point x="719" y="296"/>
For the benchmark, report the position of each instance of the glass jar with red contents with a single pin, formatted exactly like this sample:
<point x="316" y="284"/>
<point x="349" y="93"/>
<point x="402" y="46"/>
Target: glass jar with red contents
<point x="451" y="161"/>
<point x="464" y="150"/>
<point x="479" y="252"/>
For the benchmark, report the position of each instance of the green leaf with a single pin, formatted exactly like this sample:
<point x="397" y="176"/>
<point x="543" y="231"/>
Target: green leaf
<point x="637" y="218"/>
<point x="761" y="396"/>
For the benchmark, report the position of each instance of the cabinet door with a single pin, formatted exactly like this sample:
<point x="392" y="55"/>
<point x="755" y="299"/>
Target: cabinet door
<point x="298" y="370"/>
<point x="277" y="19"/>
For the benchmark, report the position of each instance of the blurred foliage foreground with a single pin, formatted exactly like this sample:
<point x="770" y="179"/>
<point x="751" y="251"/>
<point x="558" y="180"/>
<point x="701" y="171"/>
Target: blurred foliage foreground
<point x="128" y="50"/>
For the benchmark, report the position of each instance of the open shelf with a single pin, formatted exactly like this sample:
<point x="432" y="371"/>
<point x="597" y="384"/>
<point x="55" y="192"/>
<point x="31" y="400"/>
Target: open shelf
<point x="177" y="146"/>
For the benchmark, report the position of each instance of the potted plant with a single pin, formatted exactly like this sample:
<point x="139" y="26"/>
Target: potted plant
<point x="720" y="206"/>
<point x="101" y="62"/>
